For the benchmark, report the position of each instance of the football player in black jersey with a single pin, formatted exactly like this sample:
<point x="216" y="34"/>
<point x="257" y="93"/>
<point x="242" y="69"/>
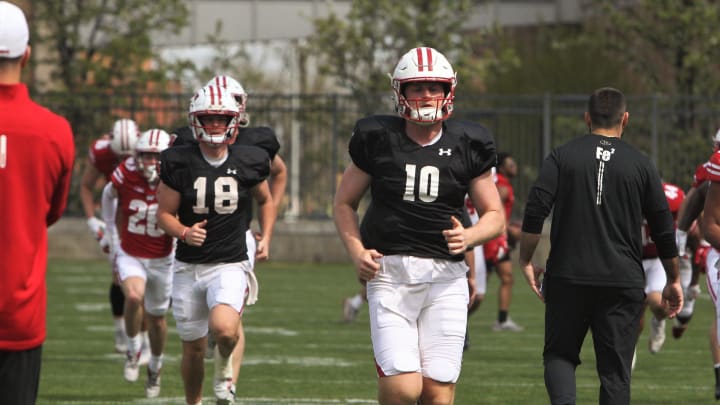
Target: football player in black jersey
<point x="262" y="137"/>
<point x="204" y="201"/>
<point x="409" y="248"/>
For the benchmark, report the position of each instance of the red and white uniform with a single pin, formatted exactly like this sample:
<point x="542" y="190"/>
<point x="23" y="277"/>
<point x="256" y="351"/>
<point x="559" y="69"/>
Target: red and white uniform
<point x="712" y="275"/>
<point x="497" y="249"/>
<point x="655" y="277"/>
<point x="137" y="208"/>
<point x="102" y="156"/>
<point x="144" y="251"/>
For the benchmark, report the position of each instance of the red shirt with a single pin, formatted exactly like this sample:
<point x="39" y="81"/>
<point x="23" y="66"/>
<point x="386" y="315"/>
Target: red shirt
<point x="503" y="181"/>
<point x="37" y="151"/>
<point x="139" y="233"/>
<point x="713" y="167"/>
<point x="675" y="196"/>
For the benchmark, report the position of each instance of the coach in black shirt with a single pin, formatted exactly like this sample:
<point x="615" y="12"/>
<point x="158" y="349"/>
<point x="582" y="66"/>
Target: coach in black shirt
<point x="601" y="189"/>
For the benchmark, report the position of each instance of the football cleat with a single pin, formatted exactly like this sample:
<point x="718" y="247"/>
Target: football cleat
<point x="508" y="325"/>
<point x="224" y="391"/>
<point x="131" y="370"/>
<point x="152" y="385"/>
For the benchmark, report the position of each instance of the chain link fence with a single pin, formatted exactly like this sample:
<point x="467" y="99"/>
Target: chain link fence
<point x="314" y="129"/>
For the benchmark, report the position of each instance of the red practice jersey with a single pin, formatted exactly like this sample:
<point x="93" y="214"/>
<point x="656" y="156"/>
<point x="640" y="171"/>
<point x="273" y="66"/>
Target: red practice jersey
<point x="712" y="167"/>
<point x="503" y="181"/>
<point x="37" y="152"/>
<point x="137" y="207"/>
<point x="675" y="196"/>
<point x="102" y="156"/>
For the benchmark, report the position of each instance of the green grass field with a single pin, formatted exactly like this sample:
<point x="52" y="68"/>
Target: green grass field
<point x="299" y="352"/>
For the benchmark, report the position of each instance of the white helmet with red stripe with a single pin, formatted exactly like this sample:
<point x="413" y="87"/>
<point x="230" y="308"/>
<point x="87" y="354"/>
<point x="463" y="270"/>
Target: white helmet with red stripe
<point x="423" y="65"/>
<point x="149" y="146"/>
<point x="716" y="140"/>
<point x="214" y="101"/>
<point x="125" y="134"/>
<point x="238" y="92"/>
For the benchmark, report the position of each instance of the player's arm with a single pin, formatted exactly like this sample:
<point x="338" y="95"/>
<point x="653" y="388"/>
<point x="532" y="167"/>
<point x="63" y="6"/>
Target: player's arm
<point x="278" y="180"/>
<point x="352" y="187"/>
<point x="168" y="205"/>
<point x="491" y="215"/>
<point x="711" y="215"/>
<point x="90" y="177"/>
<point x="266" y="217"/>
<point x="108" y="210"/>
<point x="689" y="211"/>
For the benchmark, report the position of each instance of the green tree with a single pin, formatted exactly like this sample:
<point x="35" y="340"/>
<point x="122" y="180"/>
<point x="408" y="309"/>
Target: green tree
<point x="358" y="51"/>
<point x="103" y="44"/>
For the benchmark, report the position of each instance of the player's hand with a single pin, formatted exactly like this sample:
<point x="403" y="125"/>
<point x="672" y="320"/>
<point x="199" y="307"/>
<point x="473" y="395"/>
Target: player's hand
<point x="107" y="242"/>
<point x="534" y="277"/>
<point x="262" y="250"/>
<point x="672" y="299"/>
<point x="455" y="237"/>
<point x="196" y="234"/>
<point x="97" y="227"/>
<point x="366" y="264"/>
<point x="472" y="291"/>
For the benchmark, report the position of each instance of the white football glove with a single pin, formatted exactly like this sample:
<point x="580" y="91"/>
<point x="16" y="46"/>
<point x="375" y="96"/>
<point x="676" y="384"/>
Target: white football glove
<point x="97" y="227"/>
<point x="107" y="242"/>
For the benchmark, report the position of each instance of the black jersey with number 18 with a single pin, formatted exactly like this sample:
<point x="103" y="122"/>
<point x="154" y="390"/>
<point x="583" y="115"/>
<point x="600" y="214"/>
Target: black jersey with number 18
<point x="219" y="194"/>
<point x="416" y="189"/>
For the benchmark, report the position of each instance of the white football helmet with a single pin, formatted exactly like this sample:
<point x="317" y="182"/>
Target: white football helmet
<point x="151" y="141"/>
<point x="423" y="65"/>
<point x="125" y="134"/>
<point x="214" y="100"/>
<point x="716" y="140"/>
<point x="238" y="92"/>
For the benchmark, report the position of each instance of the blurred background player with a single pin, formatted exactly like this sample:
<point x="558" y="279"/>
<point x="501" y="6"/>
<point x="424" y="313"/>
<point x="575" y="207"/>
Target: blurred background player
<point x="104" y="155"/>
<point x="690" y="240"/>
<point x="655" y="278"/>
<point x="204" y="200"/>
<point x="475" y="260"/>
<point x="711" y="229"/>
<point x="264" y="138"/>
<point x="143" y="253"/>
<point x="497" y="251"/>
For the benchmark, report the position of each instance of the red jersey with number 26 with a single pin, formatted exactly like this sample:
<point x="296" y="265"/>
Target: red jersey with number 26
<point x="137" y="206"/>
<point x="675" y="196"/>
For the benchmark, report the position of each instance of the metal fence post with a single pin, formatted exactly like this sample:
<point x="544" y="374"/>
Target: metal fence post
<point x="547" y="126"/>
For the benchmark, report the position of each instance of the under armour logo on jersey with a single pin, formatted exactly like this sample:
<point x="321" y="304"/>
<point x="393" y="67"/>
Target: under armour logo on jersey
<point x="445" y="152"/>
<point x="232" y="171"/>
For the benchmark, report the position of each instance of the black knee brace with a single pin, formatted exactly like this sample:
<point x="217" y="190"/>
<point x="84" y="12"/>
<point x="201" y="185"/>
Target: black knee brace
<point x="117" y="300"/>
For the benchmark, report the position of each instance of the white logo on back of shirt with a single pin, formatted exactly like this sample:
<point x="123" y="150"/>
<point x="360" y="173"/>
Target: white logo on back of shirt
<point x="603" y="155"/>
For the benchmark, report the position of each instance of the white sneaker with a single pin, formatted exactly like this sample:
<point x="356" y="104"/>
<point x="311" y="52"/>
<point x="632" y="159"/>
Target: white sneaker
<point x="508" y="325"/>
<point x="120" y="341"/>
<point x="131" y="370"/>
<point x="224" y="391"/>
<point x="349" y="311"/>
<point x="152" y="385"/>
<point x="657" y="335"/>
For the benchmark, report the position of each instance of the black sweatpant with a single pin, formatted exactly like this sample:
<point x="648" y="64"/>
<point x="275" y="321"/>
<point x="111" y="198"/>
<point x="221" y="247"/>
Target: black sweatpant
<point x="612" y="314"/>
<point x="20" y="376"/>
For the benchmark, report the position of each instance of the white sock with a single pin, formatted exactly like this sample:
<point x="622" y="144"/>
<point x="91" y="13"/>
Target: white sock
<point x="119" y="324"/>
<point x="223" y="365"/>
<point x="145" y="340"/>
<point x="134" y="344"/>
<point x="356" y="301"/>
<point x="155" y="363"/>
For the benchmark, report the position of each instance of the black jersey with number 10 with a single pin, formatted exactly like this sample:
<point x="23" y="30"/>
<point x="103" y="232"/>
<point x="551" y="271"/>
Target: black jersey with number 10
<point x="416" y="189"/>
<point x="219" y="194"/>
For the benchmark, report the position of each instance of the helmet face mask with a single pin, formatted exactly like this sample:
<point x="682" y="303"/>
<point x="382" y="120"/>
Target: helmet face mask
<point x="124" y="136"/>
<point x="147" y="152"/>
<point x="424" y="65"/>
<point x="212" y="101"/>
